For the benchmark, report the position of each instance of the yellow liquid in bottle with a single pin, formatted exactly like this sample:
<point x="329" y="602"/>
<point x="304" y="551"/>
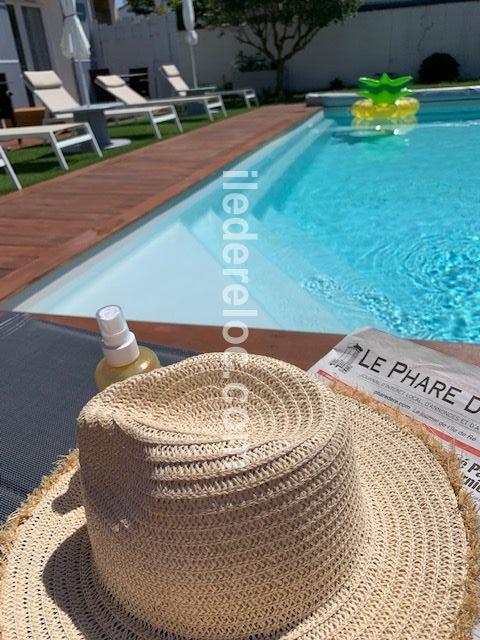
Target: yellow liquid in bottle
<point x="105" y="374"/>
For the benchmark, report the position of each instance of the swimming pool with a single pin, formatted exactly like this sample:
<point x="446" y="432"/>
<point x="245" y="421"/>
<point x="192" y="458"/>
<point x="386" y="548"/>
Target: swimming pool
<point x="352" y="231"/>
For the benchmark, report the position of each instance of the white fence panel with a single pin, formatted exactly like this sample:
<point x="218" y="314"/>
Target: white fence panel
<point x="394" y="40"/>
<point x="139" y="42"/>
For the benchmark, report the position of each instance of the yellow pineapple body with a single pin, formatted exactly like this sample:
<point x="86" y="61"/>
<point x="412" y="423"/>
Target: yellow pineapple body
<point x="403" y="108"/>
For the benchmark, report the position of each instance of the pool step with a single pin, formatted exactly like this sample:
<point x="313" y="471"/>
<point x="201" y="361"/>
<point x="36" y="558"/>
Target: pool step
<point x="165" y="276"/>
<point x="320" y="283"/>
<point x="324" y="282"/>
<point x="288" y="304"/>
<point x="282" y="155"/>
<point x="279" y="160"/>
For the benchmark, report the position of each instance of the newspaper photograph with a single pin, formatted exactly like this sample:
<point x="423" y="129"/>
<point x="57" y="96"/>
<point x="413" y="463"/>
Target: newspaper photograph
<point x="441" y="392"/>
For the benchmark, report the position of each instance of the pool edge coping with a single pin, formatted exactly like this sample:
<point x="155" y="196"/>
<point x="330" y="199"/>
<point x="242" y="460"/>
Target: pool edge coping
<point x="90" y="238"/>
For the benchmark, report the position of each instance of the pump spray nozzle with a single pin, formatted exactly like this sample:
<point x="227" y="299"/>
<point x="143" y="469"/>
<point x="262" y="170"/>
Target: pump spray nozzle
<point x="119" y="344"/>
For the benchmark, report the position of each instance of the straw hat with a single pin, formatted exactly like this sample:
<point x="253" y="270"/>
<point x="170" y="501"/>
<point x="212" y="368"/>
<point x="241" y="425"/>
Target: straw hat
<point x="242" y="499"/>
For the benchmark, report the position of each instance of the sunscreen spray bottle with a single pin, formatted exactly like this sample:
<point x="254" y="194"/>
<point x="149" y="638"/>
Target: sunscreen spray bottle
<point x="123" y="357"/>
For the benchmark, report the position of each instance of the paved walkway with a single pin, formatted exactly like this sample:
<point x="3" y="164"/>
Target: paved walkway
<point x="47" y="224"/>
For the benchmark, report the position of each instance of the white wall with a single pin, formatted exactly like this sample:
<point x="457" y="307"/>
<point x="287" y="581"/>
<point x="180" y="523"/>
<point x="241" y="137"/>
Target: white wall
<point x="139" y="42"/>
<point x="53" y="23"/>
<point x="214" y="55"/>
<point x="395" y="40"/>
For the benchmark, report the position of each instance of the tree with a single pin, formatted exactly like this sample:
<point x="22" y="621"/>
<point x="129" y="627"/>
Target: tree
<point x="176" y="5"/>
<point x="142" y="7"/>
<point x="279" y="30"/>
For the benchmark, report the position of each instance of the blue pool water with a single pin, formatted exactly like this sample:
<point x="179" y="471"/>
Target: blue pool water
<point x="352" y="231"/>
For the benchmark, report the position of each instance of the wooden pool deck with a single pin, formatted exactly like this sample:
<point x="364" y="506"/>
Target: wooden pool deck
<point x="48" y="224"/>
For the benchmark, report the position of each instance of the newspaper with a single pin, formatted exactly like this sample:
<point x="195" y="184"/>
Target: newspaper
<point x="439" y="391"/>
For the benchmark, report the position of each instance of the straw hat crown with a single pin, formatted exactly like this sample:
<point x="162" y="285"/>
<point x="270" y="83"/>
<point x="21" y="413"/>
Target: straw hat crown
<point x="221" y="505"/>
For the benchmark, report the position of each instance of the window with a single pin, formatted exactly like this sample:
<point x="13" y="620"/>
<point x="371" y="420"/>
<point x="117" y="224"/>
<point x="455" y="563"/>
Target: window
<point x="32" y="17"/>
<point x="16" y="36"/>
<point x="19" y="47"/>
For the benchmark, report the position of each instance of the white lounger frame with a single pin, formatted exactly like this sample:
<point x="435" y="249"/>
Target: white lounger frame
<point x="136" y="104"/>
<point x="248" y="95"/>
<point x="51" y="96"/>
<point x="88" y="136"/>
<point x="119" y="89"/>
<point x="212" y="104"/>
<point x="49" y="134"/>
<point x="181" y="88"/>
<point x="165" y="113"/>
<point x="5" y="164"/>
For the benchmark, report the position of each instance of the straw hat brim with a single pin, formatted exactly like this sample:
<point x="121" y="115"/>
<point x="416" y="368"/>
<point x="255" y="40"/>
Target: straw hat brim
<point x="418" y="578"/>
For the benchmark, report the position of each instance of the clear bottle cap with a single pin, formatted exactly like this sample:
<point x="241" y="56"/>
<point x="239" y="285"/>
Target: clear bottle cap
<point x="112" y="324"/>
<point x="119" y="344"/>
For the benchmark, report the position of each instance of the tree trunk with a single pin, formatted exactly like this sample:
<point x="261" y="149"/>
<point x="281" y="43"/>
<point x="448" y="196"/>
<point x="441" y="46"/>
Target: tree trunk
<point x="279" y="86"/>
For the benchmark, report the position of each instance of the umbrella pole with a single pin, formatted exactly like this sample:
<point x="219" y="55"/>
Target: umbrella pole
<point x="194" y="67"/>
<point x="85" y="95"/>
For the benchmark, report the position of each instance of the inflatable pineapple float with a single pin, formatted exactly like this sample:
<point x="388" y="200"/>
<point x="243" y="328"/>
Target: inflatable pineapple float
<point x="385" y="99"/>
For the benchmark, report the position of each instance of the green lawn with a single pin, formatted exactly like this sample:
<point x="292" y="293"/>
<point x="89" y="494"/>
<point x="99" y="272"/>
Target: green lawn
<point x="36" y="164"/>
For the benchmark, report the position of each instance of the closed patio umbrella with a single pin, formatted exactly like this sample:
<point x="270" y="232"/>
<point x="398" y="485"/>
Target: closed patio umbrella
<point x="74" y="44"/>
<point x="191" y="36"/>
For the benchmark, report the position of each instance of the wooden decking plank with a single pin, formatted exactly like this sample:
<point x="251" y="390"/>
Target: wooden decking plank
<point x="19" y="251"/>
<point x="60" y="218"/>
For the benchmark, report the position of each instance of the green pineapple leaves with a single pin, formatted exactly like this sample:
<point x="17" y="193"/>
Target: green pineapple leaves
<point x="385" y="90"/>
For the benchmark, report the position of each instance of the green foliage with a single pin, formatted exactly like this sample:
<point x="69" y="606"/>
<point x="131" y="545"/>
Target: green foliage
<point x="336" y="84"/>
<point x="278" y="30"/>
<point x="142" y="7"/>
<point x="385" y="90"/>
<point x="254" y="62"/>
<point x="176" y="6"/>
<point x="439" y="67"/>
<point x="311" y="14"/>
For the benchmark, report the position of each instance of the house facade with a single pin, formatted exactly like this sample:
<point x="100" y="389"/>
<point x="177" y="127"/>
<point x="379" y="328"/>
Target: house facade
<point x="392" y="35"/>
<point x="30" y="34"/>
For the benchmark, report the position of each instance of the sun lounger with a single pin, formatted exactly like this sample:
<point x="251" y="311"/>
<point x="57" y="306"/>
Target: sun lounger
<point x="50" y="132"/>
<point x="172" y="74"/>
<point x="118" y="88"/>
<point x="48" y="425"/>
<point x="5" y="164"/>
<point x="49" y="89"/>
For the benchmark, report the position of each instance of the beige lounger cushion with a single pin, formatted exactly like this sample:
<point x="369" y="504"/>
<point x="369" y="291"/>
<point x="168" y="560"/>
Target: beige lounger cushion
<point x="110" y="81"/>
<point x="50" y="91"/>
<point x="57" y="100"/>
<point x="10" y="133"/>
<point x="170" y="70"/>
<point x="43" y="79"/>
<point x="175" y="79"/>
<point x="179" y="85"/>
<point x="120" y="89"/>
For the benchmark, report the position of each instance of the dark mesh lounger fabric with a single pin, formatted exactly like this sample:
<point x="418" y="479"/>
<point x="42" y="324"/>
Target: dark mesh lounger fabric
<point x="46" y="376"/>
